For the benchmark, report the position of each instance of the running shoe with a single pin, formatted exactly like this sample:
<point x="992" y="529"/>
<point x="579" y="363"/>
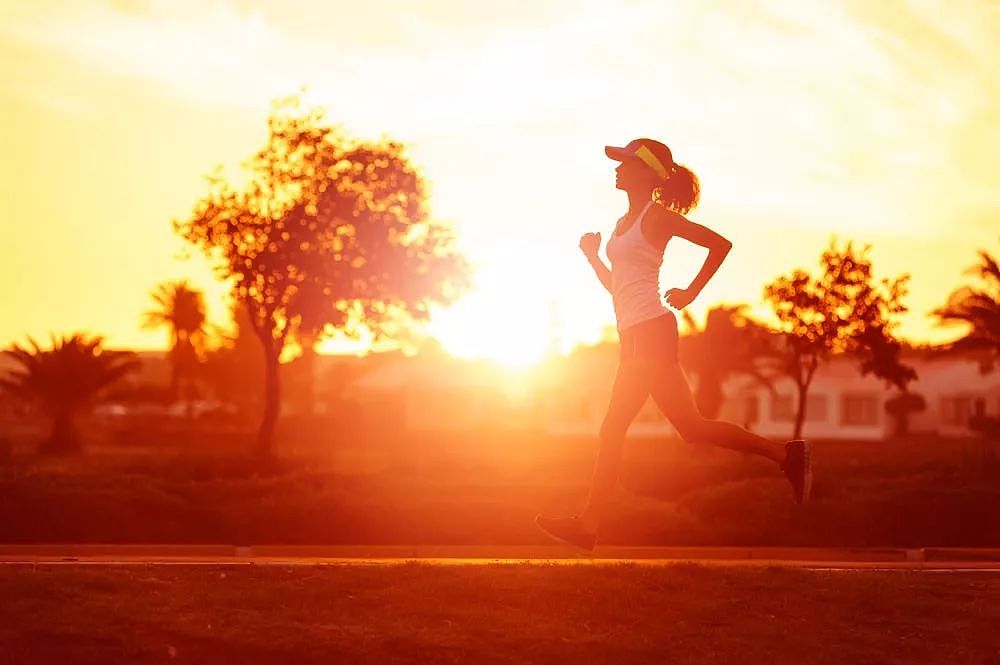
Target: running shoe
<point x="797" y="467"/>
<point x="568" y="530"/>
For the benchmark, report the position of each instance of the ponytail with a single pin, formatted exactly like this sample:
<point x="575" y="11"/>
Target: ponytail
<point x="681" y="190"/>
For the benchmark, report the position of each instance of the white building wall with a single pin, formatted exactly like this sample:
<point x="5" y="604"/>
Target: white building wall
<point x="952" y="388"/>
<point x="825" y="413"/>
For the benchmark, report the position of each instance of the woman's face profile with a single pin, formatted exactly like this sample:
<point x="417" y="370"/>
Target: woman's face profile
<point x="632" y="174"/>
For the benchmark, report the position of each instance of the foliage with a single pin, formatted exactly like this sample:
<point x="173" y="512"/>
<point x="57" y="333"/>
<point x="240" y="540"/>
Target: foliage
<point x="842" y="310"/>
<point x="978" y="308"/>
<point x="400" y="489"/>
<point x="234" y="366"/>
<point x="729" y="343"/>
<point x="329" y="232"/>
<point x="66" y="381"/>
<point x="181" y="309"/>
<point x="902" y="406"/>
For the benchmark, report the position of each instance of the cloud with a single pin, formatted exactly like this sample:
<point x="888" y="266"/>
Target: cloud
<point x="203" y="52"/>
<point x="865" y="106"/>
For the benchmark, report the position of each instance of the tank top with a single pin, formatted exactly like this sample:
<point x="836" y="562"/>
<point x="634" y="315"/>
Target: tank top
<point x="635" y="275"/>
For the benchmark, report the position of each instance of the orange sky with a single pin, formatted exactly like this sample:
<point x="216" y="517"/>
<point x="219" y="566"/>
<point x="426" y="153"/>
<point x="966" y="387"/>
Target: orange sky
<point x="878" y="122"/>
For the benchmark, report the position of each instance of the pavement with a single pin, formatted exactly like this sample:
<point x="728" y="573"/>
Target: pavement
<point x="924" y="558"/>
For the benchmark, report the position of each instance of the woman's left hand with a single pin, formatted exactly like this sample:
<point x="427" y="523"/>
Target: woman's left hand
<point x="679" y="298"/>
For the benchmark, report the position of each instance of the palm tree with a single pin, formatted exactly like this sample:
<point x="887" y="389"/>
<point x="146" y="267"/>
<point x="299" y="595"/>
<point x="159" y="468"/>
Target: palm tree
<point x="979" y="308"/>
<point x="181" y="309"/>
<point x="730" y="343"/>
<point x="65" y="382"/>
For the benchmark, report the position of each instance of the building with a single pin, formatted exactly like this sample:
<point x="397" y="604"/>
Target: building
<point x="843" y="404"/>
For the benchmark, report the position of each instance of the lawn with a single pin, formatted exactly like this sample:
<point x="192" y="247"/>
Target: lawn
<point x="486" y="491"/>
<point x="516" y="613"/>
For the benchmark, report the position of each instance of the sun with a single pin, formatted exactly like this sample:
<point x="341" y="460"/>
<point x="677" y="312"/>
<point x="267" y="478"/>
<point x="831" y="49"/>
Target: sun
<point x="499" y="327"/>
<point x="508" y="319"/>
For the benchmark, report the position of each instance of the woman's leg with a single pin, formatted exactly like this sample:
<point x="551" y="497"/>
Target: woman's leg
<point x="672" y="394"/>
<point x="628" y="394"/>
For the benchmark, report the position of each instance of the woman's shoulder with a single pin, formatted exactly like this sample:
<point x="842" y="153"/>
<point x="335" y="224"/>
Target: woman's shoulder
<point x="664" y="216"/>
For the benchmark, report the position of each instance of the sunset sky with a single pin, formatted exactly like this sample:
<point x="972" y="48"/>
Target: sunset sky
<point x="874" y="121"/>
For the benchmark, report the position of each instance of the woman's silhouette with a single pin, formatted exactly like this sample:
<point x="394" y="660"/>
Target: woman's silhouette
<point x="659" y="192"/>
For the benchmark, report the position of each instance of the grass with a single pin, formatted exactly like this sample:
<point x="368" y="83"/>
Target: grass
<point x="453" y="490"/>
<point x="417" y="613"/>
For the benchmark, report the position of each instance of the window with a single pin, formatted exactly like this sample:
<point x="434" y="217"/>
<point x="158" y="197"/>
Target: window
<point x="782" y="408"/>
<point x="859" y="410"/>
<point x="956" y="410"/>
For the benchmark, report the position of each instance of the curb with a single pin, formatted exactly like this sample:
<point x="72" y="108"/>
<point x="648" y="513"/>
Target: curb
<point x="74" y="550"/>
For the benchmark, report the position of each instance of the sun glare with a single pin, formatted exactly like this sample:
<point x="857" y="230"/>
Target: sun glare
<point x="497" y="327"/>
<point x="500" y="327"/>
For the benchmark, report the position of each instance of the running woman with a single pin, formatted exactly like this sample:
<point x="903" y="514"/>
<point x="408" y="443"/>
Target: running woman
<point x="660" y="192"/>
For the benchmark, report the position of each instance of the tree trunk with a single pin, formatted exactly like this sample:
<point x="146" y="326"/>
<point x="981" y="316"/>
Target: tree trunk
<point x="309" y="369"/>
<point x="803" y="381"/>
<point x="800" y="417"/>
<point x="64" y="438"/>
<point x="272" y="404"/>
<point x="175" y="377"/>
<point x="902" y="424"/>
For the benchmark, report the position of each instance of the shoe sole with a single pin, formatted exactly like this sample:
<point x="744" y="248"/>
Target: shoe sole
<point x="563" y="541"/>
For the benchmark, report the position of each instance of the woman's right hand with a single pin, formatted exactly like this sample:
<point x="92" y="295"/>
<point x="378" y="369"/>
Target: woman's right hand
<point x="590" y="243"/>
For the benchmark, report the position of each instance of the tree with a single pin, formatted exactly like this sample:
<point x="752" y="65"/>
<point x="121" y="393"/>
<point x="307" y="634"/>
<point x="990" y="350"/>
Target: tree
<point x="979" y="308"/>
<point x="332" y="215"/>
<point x="729" y="344"/>
<point x="901" y="407"/>
<point x="66" y="381"/>
<point x="842" y="310"/>
<point x="181" y="309"/>
<point x="234" y="367"/>
<point x="309" y="305"/>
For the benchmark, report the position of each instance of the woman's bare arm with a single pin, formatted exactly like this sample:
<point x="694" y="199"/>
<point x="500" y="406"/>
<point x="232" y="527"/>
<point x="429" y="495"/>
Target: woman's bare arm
<point x="716" y="255"/>
<point x="602" y="271"/>
<point x="718" y="247"/>
<point x="590" y="243"/>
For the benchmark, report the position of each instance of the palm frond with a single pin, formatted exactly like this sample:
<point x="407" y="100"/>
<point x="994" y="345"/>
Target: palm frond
<point x="987" y="269"/>
<point x="179" y="307"/>
<point x="70" y="375"/>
